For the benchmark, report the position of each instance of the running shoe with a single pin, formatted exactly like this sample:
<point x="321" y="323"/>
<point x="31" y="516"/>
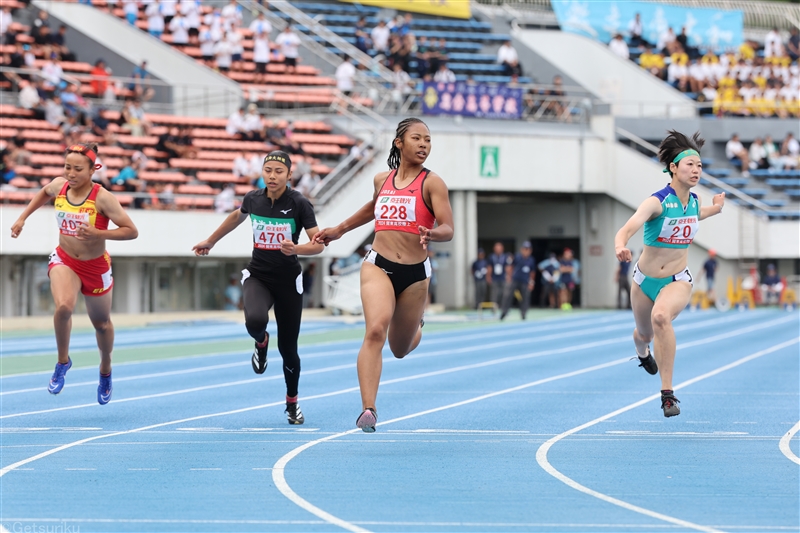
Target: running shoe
<point x="57" y="380"/>
<point x="367" y="420"/>
<point x="294" y="414"/>
<point x="104" y="389"/>
<point x="259" y="359"/>
<point x="648" y="363"/>
<point x="669" y="403"/>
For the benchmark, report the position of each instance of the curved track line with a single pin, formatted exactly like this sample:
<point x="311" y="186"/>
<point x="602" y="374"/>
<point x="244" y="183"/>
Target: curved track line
<point x="279" y="467"/>
<point x="541" y="453"/>
<point x="784" y="444"/>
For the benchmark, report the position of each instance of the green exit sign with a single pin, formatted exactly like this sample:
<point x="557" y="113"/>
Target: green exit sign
<point x="490" y="161"/>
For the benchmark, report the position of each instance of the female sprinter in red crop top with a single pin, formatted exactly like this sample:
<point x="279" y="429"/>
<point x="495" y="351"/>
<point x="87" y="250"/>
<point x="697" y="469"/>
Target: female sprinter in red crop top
<point x="80" y="263"/>
<point x="408" y="201"/>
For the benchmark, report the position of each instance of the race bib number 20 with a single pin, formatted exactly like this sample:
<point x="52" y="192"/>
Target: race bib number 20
<point x="678" y="230"/>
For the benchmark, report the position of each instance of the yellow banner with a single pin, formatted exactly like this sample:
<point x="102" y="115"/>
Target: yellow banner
<point x="446" y="8"/>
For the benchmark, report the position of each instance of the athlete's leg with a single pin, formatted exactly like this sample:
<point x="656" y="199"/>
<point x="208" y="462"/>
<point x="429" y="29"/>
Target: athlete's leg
<point x="65" y="286"/>
<point x="405" y="331"/>
<point x="257" y="301"/>
<point x="642" y="311"/>
<point x="288" y="313"/>
<point x="507" y="299"/>
<point x="99" y="310"/>
<point x="377" y="299"/>
<point x="670" y="302"/>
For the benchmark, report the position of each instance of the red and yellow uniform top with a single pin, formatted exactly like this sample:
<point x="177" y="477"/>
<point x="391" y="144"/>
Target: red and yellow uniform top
<point x="69" y="216"/>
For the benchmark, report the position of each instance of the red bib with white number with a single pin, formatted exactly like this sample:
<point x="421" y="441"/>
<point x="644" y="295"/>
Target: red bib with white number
<point x="403" y="209"/>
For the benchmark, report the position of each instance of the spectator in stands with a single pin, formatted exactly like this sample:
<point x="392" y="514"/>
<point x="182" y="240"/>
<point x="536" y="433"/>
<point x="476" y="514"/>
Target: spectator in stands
<point x="401" y="25"/>
<point x="139" y="161"/>
<point x="683" y="40"/>
<point x="698" y="76"/>
<point x="261" y="52"/>
<point x="100" y="75"/>
<point x="28" y="95"/>
<point x="135" y="121"/>
<point x="508" y="58"/>
<point x="345" y="74"/>
<point x="140" y="85"/>
<point x="261" y="25"/>
<point x="231" y="15"/>
<point x="793" y="45"/>
<point x="380" y="37"/>
<point x="99" y="127"/>
<point x="155" y="19"/>
<point x="790" y="152"/>
<point x="223" y="53"/>
<point x="307" y="183"/>
<point x="734" y="149"/>
<point x="399" y="53"/>
<point x="207" y="43"/>
<point x="234" y="37"/>
<point x="52" y="72"/>
<point x="42" y="20"/>
<point x="179" y="28"/>
<point x="363" y="40"/>
<point x="253" y="124"/>
<point x="101" y="174"/>
<point x="771" y="286"/>
<point x="169" y="8"/>
<point x="667" y="42"/>
<point x="773" y="154"/>
<point x="758" y="154"/>
<point x="401" y="84"/>
<point x="247" y="166"/>
<point x="59" y="41"/>
<point x="773" y="43"/>
<point x="6" y="20"/>
<point x="225" y="201"/>
<point x="213" y="21"/>
<point x="131" y="8"/>
<point x="128" y="178"/>
<point x="236" y="124"/>
<point x="7" y="170"/>
<point x="289" y="43"/>
<point x="44" y="37"/>
<point x="54" y="111"/>
<point x="653" y="63"/>
<point x="555" y="105"/>
<point x="619" y="47"/>
<point x="678" y="74"/>
<point x="190" y="9"/>
<point x="444" y="74"/>
<point x="183" y="143"/>
<point x="74" y="104"/>
<point x="636" y="30"/>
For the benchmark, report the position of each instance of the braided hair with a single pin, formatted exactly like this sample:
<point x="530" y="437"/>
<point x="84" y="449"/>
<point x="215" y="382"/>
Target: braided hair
<point x="402" y="128"/>
<point x="675" y="143"/>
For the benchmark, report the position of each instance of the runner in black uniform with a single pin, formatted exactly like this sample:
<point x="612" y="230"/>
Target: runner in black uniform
<point x="274" y="276"/>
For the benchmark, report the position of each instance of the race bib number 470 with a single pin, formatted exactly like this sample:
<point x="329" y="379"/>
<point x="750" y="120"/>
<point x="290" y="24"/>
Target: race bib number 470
<point x="399" y="211"/>
<point x="268" y="233"/>
<point x="678" y="230"/>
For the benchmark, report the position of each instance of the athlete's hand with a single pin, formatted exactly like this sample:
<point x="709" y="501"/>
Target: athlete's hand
<point x="288" y="247"/>
<point x="424" y="237"/>
<point x="87" y="233"/>
<point x="202" y="248"/>
<point x="719" y="199"/>
<point x="327" y="235"/>
<point x="623" y="254"/>
<point x="16" y="229"/>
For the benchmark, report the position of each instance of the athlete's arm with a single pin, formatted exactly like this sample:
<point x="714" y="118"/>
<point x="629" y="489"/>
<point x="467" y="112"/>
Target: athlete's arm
<point x="715" y="208"/>
<point x="41" y="198"/>
<point x="364" y="215"/>
<point x="440" y="203"/>
<point x="649" y="209"/>
<point x="228" y="225"/>
<point x="108" y="205"/>
<point x="310" y="248"/>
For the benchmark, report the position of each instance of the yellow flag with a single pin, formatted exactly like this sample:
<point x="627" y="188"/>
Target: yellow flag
<point x="445" y="8"/>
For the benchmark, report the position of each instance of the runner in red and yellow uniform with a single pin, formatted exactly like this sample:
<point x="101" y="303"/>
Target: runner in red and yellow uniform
<point x="80" y="263"/>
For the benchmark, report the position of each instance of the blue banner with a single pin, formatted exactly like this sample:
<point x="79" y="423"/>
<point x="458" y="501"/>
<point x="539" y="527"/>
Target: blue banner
<point x="707" y="28"/>
<point x="478" y="100"/>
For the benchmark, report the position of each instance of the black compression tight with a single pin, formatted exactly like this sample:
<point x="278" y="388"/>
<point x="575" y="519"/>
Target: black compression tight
<point x="259" y="295"/>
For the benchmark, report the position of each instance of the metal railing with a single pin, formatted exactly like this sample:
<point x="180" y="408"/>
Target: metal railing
<point x="729" y="190"/>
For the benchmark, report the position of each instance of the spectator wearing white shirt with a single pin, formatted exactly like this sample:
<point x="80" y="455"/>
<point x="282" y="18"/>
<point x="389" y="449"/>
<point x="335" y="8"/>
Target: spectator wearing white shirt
<point x="224" y="202"/>
<point x="169" y="8"/>
<point x="28" y="95"/>
<point x="697" y="76"/>
<point x="636" y="31"/>
<point x="253" y="124"/>
<point x="6" y="20"/>
<point x="261" y="52"/>
<point x="345" y="73"/>
<point x="619" y="47"/>
<point x="179" y="28"/>
<point x="401" y="83"/>
<point x="667" y="42"/>
<point x="773" y="154"/>
<point x="307" y="183"/>
<point x="678" y="75"/>
<point x="236" y="124"/>
<point x="223" y="52"/>
<point x="190" y="9"/>
<point x="758" y="154"/>
<point x="380" y="37"/>
<point x="507" y="56"/>
<point x="54" y="111"/>
<point x="444" y="74"/>
<point x="207" y="43"/>
<point x="289" y="43"/>
<point x="231" y="14"/>
<point x="131" y="8"/>
<point x="247" y="166"/>
<point x="773" y="44"/>
<point x="214" y="22"/>
<point x="155" y="19"/>
<point x="52" y="72"/>
<point x="735" y="149"/>
<point x="237" y="47"/>
<point x="790" y="151"/>
<point x="261" y="25"/>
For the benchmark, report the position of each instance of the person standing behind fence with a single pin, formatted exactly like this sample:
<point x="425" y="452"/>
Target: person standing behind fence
<point x="623" y="282"/>
<point x="480" y="269"/>
<point x="498" y="262"/>
<point x="523" y="276"/>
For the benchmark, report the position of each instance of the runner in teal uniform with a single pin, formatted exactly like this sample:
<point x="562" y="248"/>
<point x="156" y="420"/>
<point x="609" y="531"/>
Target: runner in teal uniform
<point x="662" y="281"/>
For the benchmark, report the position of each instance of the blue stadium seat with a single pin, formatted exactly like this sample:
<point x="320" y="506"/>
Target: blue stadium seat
<point x="755" y="193"/>
<point x="794" y="194"/>
<point x="735" y="182"/>
<point x="776" y="202"/>
<point x="779" y="183"/>
<point x="707" y="161"/>
<point x="718" y="172"/>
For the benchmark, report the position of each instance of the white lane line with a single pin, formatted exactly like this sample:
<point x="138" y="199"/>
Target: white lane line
<point x="422" y="355"/>
<point x="81" y="469"/>
<point x="203" y="469"/>
<point x="784" y="444"/>
<point x="278" y="469"/>
<point x="541" y="453"/>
